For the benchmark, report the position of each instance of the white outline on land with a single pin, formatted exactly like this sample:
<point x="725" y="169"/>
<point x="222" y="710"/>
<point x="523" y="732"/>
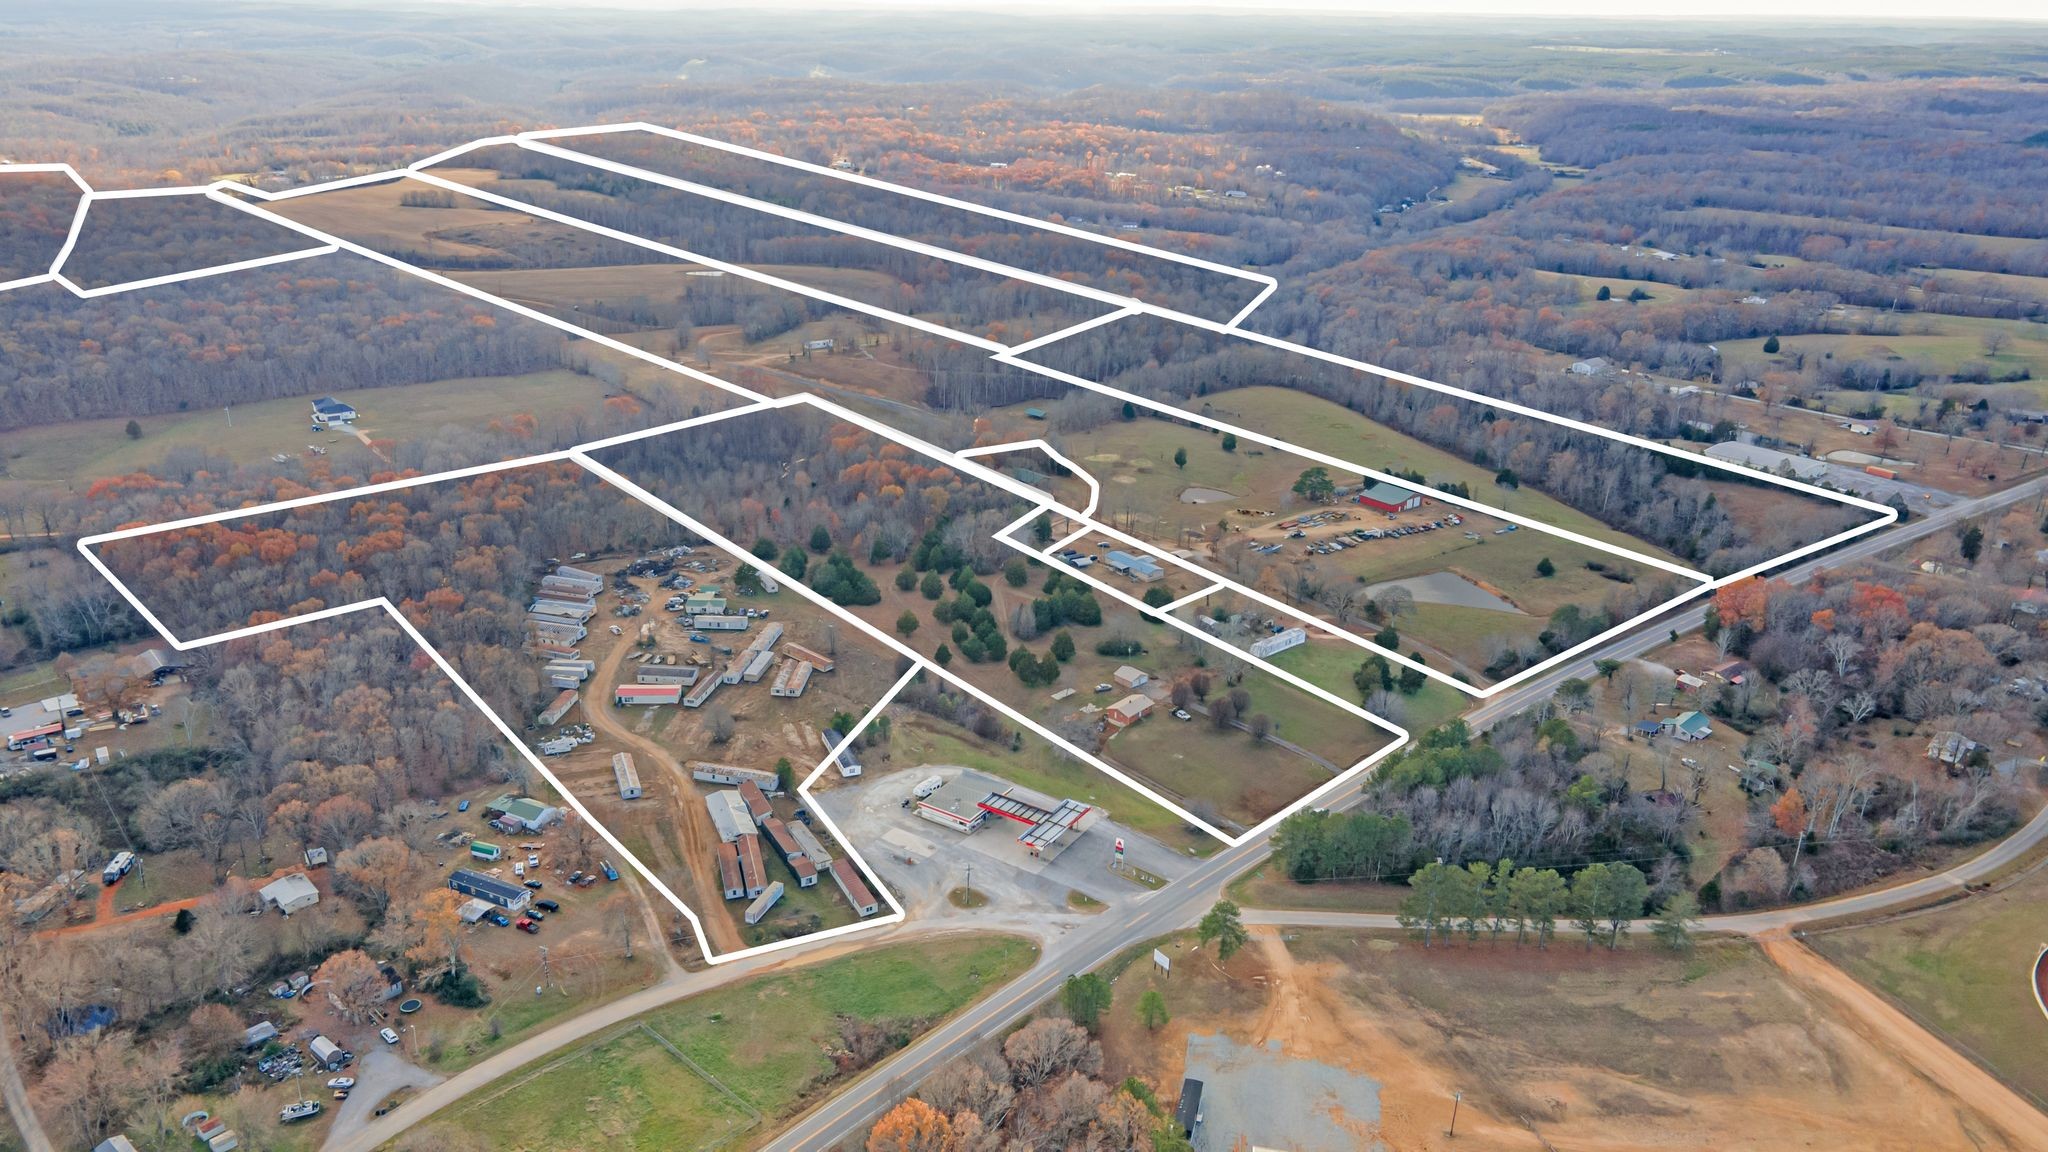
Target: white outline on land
<point x="1125" y="307"/>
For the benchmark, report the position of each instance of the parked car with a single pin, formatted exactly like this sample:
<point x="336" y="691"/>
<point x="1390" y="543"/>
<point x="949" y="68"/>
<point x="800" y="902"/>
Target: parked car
<point x="533" y="859"/>
<point x="387" y="1035"/>
<point x="804" y="814"/>
<point x="528" y="925"/>
<point x="610" y="873"/>
<point x="547" y="905"/>
<point x="534" y="884"/>
<point x="342" y="1082"/>
<point x="462" y="807"/>
<point x="536" y="915"/>
<point x="1181" y="714"/>
<point x="498" y="918"/>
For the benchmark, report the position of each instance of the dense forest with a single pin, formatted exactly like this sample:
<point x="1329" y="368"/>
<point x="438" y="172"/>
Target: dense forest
<point x="968" y="298"/>
<point x="1154" y="279"/>
<point x="332" y="322"/>
<point x="786" y="474"/>
<point x="137" y="238"/>
<point x="459" y="557"/>
<point x="36" y="209"/>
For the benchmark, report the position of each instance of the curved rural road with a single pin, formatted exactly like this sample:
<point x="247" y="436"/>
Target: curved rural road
<point x="1176" y="907"/>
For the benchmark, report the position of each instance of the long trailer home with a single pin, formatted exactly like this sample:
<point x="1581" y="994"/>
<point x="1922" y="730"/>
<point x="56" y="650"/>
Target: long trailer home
<point x="791" y="681"/>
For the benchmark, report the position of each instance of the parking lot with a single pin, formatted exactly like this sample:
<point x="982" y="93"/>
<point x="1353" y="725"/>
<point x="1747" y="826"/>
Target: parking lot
<point x="922" y="861"/>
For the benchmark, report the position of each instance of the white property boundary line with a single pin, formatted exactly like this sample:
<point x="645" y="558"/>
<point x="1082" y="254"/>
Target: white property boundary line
<point x="1129" y="307"/>
<point x="1886" y="515"/>
<point x="897" y="913"/>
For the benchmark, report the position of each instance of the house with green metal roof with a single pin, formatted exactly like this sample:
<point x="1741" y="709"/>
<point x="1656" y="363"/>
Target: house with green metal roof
<point x="1689" y="726"/>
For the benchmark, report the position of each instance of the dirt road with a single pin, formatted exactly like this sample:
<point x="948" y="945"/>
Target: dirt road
<point x="686" y="809"/>
<point x="1889" y="1029"/>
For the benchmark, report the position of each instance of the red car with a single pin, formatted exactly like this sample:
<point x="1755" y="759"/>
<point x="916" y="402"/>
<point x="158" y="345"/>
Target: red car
<point x="527" y="924"/>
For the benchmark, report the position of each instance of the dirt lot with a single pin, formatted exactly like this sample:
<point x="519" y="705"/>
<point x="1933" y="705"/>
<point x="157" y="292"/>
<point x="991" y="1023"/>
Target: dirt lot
<point x="1603" y="1051"/>
<point x="669" y="828"/>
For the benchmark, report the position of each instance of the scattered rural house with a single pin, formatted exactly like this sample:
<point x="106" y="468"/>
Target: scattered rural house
<point x="1730" y="671"/>
<point x="627" y="775"/>
<point x="1279" y="642"/>
<point x="791" y="681"/>
<point x="756" y="801"/>
<point x="704" y="602"/>
<point x="1690" y="682"/>
<point x="290" y="893"/>
<point x="704" y="771"/>
<point x="1648" y="728"/>
<point x="560" y="708"/>
<point x="261" y="1032"/>
<point x="729" y="871"/>
<point x="1689" y="726"/>
<point x="729" y="814"/>
<point x="703" y="691"/>
<point x="760" y="907"/>
<point x="792" y="853"/>
<point x="718" y="622"/>
<point x="818" y="661"/>
<point x="1142" y="569"/>
<point x="647" y="694"/>
<point x="331" y="413"/>
<point x="470" y="882"/>
<point x="159" y="665"/>
<point x="529" y="814"/>
<point x="844" y="759"/>
<point x="683" y="675"/>
<point x="1389" y="497"/>
<point x="1950" y="748"/>
<point x="1129" y="710"/>
<point x="753" y="872"/>
<point x="1768" y="460"/>
<point x="853" y="887"/>
<point x="1130" y="677"/>
<point x="316" y="857"/>
<point x="814" y="848"/>
<point x="757" y="666"/>
<point x="116" y="1143"/>
<point x="1597" y="366"/>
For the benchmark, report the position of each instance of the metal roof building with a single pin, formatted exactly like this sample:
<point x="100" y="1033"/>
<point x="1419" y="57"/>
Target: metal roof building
<point x="729" y="814"/>
<point x="470" y="882"/>
<point x="628" y="776"/>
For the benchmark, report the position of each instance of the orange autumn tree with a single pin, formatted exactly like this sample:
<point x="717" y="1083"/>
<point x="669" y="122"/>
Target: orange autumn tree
<point x="912" y="1126"/>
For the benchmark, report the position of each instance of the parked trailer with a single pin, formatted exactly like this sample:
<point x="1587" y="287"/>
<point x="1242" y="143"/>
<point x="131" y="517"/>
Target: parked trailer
<point x="1881" y="473"/>
<point x="767" y="899"/>
<point x="791" y="681"/>
<point x="483" y="851"/>
<point x="645" y="694"/>
<point x="705" y="772"/>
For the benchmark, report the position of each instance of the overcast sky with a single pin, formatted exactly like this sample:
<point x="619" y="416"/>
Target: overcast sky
<point x="1634" y="10"/>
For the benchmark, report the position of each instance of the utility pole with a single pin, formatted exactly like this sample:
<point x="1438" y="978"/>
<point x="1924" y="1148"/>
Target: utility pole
<point x="1456" y="1099"/>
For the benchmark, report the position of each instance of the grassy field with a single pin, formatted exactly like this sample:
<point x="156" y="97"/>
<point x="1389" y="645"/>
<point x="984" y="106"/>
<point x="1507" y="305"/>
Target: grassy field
<point x="61" y="457"/>
<point x="1329" y="665"/>
<point x="754" y="1049"/>
<point x="1267" y="887"/>
<point x="1318" y="424"/>
<point x="1962" y="971"/>
<point x="1952" y="342"/>
<point x="1589" y="289"/>
<point x="916" y="740"/>
<point x="1234" y="776"/>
